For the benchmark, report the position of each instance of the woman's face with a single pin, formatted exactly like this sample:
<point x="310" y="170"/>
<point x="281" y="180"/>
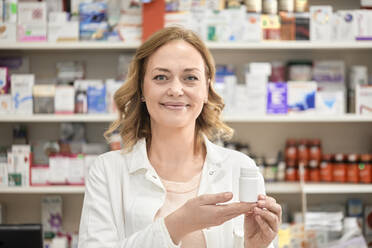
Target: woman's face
<point x="175" y="86"/>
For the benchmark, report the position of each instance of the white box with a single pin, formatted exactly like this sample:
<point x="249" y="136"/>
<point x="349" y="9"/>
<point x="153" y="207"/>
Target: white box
<point x="1" y="11"/>
<point x="330" y="102"/>
<point x="259" y="68"/>
<point x="3" y="80"/>
<point x="58" y="17"/>
<point x="21" y="88"/>
<point x="111" y="87"/>
<point x="58" y="169"/>
<point x="32" y="32"/>
<point x="364" y="20"/>
<point x="8" y="32"/>
<point x="346" y="25"/>
<point x="76" y="170"/>
<point x="32" y="13"/>
<point x="64" y="101"/>
<point x="363" y="96"/>
<point x="51" y="213"/>
<point x="5" y="104"/>
<point x="3" y="175"/>
<point x="39" y="175"/>
<point x="253" y="30"/>
<point x="68" y="31"/>
<point x="301" y="97"/>
<point x="10" y="11"/>
<point x="321" y="23"/>
<point x="22" y="162"/>
<point x="256" y="91"/>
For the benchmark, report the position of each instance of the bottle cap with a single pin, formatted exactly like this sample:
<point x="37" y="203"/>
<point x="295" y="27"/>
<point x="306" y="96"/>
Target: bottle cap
<point x="249" y="172"/>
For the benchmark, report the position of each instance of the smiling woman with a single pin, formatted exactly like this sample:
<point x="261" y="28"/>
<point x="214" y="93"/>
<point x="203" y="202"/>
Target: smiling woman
<point x="171" y="186"/>
<point x="162" y="67"/>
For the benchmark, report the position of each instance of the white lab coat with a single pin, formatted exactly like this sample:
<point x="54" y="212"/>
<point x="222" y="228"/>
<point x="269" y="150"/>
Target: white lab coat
<point x="123" y="193"/>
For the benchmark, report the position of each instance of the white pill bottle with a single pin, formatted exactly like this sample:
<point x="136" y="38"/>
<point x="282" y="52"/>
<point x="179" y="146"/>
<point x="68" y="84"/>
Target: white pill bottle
<point x="248" y="184"/>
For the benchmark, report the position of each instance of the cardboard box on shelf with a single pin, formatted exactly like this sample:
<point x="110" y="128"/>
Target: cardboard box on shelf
<point x="4" y="85"/>
<point x="21" y="88"/>
<point x="21" y="162"/>
<point x="363" y="99"/>
<point x="8" y="32"/>
<point x="5" y="104"/>
<point x="277" y="98"/>
<point x="301" y="97"/>
<point x="51" y="214"/>
<point x="321" y="23"/>
<point x="64" y="100"/>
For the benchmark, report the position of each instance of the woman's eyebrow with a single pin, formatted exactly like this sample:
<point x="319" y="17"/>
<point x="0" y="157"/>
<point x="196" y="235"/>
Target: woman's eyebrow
<point x="191" y="69"/>
<point x="161" y="69"/>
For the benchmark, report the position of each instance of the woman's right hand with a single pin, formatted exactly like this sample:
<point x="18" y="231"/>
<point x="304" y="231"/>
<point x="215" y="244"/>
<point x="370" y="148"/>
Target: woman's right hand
<point x="202" y="212"/>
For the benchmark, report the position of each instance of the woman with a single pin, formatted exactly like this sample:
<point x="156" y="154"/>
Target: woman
<point x="172" y="187"/>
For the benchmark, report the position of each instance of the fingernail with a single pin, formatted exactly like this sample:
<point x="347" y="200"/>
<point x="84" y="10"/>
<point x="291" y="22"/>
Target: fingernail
<point x="228" y="195"/>
<point x="263" y="197"/>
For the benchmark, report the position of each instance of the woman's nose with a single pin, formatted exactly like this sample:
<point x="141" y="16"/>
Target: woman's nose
<point x="176" y="88"/>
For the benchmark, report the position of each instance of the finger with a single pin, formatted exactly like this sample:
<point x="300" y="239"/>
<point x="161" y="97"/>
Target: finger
<point x="266" y="229"/>
<point x="271" y="219"/>
<point x="272" y="206"/>
<point x="212" y="199"/>
<point x="237" y="208"/>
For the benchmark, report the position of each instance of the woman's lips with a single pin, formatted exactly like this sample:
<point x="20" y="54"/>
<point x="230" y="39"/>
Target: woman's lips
<point x="175" y="106"/>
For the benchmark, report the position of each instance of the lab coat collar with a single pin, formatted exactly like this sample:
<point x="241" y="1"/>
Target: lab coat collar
<point x="139" y="159"/>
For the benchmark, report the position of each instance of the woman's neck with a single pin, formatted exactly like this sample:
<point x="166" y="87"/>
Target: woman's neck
<point x="173" y="154"/>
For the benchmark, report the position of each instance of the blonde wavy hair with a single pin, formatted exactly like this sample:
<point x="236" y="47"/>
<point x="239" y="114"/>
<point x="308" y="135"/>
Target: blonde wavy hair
<point x="134" y="120"/>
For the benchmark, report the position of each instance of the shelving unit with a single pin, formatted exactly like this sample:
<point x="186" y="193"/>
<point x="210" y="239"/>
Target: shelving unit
<point x="347" y="118"/>
<point x="265" y="134"/>
<point x="271" y="188"/>
<point x="123" y="46"/>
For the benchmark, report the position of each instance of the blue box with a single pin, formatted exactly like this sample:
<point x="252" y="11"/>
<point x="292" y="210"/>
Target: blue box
<point x="277" y="98"/>
<point x="96" y="99"/>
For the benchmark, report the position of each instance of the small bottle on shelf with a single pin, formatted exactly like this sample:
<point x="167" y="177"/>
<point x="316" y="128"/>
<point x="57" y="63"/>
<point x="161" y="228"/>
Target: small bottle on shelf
<point x="326" y="168"/>
<point x="353" y="168"/>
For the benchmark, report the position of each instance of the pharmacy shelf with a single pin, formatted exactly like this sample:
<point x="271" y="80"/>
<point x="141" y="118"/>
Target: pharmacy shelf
<point x="291" y="45"/>
<point x="58" y="118"/>
<point x="282" y="188"/>
<point x="83" y="45"/>
<point x="271" y="188"/>
<point x="35" y="118"/>
<point x="267" y="45"/>
<point x="299" y="118"/>
<point x="336" y="188"/>
<point x="43" y="190"/>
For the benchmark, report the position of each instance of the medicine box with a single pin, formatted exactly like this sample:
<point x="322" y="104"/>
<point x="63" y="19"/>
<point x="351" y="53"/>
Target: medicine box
<point x="363" y="99"/>
<point x="5" y="104"/>
<point x="277" y="98"/>
<point x="8" y="32"/>
<point x="21" y="162"/>
<point x="64" y="100"/>
<point x="51" y="213"/>
<point x="4" y="80"/>
<point x="301" y="97"/>
<point x="21" y="88"/>
<point x="321" y="23"/>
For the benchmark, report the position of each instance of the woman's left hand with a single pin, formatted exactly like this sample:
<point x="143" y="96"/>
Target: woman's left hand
<point x="262" y="225"/>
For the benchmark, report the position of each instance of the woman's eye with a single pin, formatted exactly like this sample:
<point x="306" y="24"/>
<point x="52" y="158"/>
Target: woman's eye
<point x="160" y="77"/>
<point x="191" y="78"/>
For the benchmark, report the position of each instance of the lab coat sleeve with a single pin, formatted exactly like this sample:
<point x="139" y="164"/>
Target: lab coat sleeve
<point x="97" y="225"/>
